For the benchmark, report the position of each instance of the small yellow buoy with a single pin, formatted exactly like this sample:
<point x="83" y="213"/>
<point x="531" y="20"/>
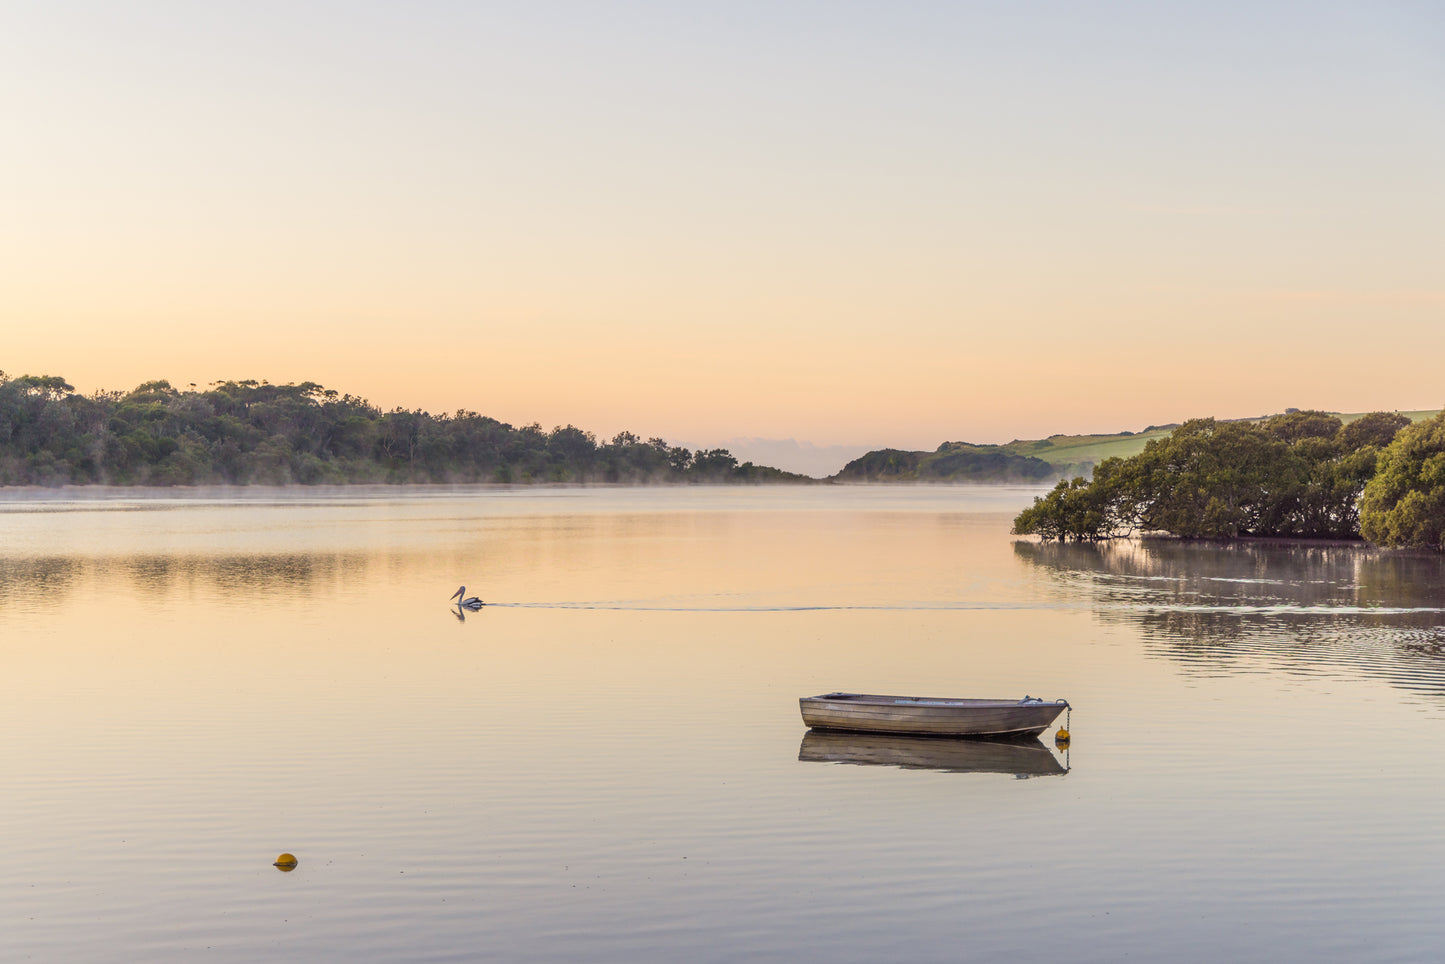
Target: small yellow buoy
<point x="286" y="862"/>
<point x="1062" y="736"/>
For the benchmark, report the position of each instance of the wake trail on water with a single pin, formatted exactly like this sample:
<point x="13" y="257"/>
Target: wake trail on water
<point x="929" y="606"/>
<point x="882" y="607"/>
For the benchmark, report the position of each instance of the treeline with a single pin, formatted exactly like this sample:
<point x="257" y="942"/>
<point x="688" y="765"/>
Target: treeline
<point x="249" y="432"/>
<point x="951" y="462"/>
<point x="1298" y="475"/>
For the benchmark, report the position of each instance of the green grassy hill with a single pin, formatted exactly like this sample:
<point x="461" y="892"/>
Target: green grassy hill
<point x="1070" y="455"/>
<point x="1021" y="460"/>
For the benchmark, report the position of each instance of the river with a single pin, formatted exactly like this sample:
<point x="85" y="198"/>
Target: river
<point x="606" y="762"/>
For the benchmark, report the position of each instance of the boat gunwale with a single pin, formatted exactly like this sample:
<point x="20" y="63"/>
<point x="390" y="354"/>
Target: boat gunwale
<point x="879" y="699"/>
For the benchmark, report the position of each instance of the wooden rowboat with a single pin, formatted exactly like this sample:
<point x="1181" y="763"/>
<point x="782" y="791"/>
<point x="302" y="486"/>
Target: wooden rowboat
<point x="930" y="716"/>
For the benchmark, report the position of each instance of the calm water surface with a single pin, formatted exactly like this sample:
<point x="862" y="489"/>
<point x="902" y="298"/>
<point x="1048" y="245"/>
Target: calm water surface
<point x="607" y="762"/>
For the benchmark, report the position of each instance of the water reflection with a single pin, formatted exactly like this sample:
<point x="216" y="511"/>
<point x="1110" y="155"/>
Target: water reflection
<point x="159" y="576"/>
<point x="1022" y="758"/>
<point x="56" y="574"/>
<point x="461" y="611"/>
<point x="1225" y="604"/>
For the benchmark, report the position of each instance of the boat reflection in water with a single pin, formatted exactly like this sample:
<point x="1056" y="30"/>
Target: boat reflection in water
<point x="1021" y="757"/>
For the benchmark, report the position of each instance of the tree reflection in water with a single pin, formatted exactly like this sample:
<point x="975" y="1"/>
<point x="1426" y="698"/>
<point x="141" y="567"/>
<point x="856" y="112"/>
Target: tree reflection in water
<point x="1292" y="607"/>
<point x="156" y="576"/>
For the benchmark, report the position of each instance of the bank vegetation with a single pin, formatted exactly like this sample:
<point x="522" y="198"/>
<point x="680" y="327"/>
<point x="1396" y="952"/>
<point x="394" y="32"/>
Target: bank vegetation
<point x="250" y="432"/>
<point x="1304" y="475"/>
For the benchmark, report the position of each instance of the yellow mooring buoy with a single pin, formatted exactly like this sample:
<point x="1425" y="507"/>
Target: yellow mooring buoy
<point x="286" y="862"/>
<point x="1062" y="736"/>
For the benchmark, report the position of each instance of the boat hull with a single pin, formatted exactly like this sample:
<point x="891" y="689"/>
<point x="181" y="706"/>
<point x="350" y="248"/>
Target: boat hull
<point x="928" y="716"/>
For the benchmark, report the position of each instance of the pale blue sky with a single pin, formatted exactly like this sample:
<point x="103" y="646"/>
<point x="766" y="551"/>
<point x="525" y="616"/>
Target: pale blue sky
<point x="843" y="222"/>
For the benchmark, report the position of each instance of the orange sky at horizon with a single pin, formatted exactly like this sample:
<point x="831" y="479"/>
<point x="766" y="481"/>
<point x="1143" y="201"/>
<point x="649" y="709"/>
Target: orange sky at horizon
<point x="865" y="226"/>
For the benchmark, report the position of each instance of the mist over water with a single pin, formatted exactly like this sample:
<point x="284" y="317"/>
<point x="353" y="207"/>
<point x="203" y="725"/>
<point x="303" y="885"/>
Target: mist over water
<point x="607" y="763"/>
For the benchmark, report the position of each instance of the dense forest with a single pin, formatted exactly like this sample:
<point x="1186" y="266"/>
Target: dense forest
<point x="249" y="432"/>
<point x="1298" y="475"/>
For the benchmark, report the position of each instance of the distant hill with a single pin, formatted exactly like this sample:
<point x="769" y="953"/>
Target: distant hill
<point x="1036" y="460"/>
<point x="952" y="462"/>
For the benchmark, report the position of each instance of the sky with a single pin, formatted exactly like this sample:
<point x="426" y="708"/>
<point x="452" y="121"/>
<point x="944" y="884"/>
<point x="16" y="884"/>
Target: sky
<point x="846" y="223"/>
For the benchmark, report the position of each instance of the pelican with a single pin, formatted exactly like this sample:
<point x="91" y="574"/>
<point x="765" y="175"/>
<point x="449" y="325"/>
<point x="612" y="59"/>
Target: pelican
<point x="466" y="603"/>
